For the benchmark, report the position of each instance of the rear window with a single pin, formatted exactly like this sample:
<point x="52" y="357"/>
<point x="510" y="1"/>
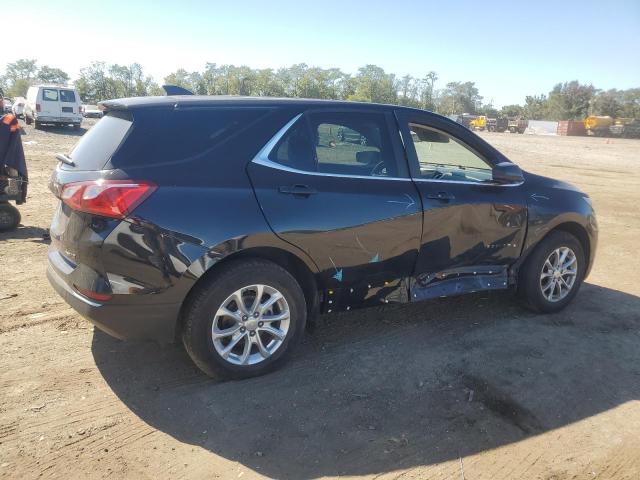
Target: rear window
<point x="97" y="146"/>
<point x="68" y="96"/>
<point x="179" y="135"/>
<point x="50" y="95"/>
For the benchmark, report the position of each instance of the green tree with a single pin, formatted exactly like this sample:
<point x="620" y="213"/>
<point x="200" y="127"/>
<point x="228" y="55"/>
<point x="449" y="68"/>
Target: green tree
<point x="459" y="97"/>
<point x="536" y="107"/>
<point x="607" y="103"/>
<point x="373" y="84"/>
<point x="23" y="69"/>
<point x="52" y="75"/>
<point x="570" y="101"/>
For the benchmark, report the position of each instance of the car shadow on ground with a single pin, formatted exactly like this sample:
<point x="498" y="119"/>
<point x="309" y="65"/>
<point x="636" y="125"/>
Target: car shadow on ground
<point x="382" y="389"/>
<point x="24" y="232"/>
<point x="64" y="130"/>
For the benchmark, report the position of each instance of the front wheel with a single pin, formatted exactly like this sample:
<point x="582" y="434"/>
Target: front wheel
<point x="244" y="320"/>
<point x="553" y="273"/>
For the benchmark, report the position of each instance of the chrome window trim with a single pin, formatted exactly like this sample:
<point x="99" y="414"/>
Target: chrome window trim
<point x="468" y="183"/>
<point x="262" y="158"/>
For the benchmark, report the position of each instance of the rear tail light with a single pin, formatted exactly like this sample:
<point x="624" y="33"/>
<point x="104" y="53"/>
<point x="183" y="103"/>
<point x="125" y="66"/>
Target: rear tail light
<point x="107" y="198"/>
<point x="37" y="107"/>
<point x="100" y="297"/>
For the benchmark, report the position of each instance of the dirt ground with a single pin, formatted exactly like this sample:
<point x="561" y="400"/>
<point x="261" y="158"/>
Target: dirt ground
<point x="464" y="388"/>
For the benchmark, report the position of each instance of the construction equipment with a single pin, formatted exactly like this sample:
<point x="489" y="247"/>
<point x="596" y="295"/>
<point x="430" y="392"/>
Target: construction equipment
<point x="478" y="123"/>
<point x="517" y="124"/>
<point x="598" y="125"/>
<point x="497" y="124"/>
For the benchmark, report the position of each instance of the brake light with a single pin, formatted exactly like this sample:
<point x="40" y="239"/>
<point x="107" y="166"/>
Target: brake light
<point x="100" y="297"/>
<point x="37" y="107"/>
<point x="107" y="198"/>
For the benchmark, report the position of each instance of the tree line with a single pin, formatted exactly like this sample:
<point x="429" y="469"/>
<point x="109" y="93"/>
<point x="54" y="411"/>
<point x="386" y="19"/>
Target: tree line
<point x="100" y="81"/>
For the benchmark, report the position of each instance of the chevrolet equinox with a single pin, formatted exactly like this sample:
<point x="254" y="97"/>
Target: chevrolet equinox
<point x="230" y="222"/>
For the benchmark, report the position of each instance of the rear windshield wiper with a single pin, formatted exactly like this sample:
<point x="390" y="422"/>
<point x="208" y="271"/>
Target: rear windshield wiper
<point x="64" y="159"/>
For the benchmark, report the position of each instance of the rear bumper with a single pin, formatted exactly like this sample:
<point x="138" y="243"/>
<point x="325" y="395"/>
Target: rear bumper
<point x="65" y="120"/>
<point x="149" y="321"/>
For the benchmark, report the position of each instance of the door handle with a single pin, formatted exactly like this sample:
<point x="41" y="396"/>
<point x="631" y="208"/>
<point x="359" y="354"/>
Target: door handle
<point x="302" y="190"/>
<point x="443" y="196"/>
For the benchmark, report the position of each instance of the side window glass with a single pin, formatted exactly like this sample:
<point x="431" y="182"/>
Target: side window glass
<point x="50" y="95"/>
<point x="295" y="150"/>
<point x="344" y="143"/>
<point x="353" y="144"/>
<point x="443" y="157"/>
<point x="67" y="96"/>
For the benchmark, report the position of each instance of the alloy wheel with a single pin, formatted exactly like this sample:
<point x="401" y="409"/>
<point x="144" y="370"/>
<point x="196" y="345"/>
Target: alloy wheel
<point x="559" y="273"/>
<point x="250" y="325"/>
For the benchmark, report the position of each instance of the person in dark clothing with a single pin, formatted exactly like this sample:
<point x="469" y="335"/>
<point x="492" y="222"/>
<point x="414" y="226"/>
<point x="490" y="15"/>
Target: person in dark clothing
<point x="12" y="161"/>
<point x="13" y="172"/>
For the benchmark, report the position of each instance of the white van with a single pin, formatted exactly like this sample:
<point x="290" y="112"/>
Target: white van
<point x="53" y="104"/>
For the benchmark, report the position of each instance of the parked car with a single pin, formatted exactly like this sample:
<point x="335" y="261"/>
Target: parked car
<point x="226" y="223"/>
<point x="7" y="105"/>
<point x="91" y="111"/>
<point x="53" y="105"/>
<point x="18" y="106"/>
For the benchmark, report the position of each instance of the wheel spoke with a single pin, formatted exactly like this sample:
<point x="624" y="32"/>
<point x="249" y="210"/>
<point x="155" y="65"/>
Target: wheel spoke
<point x="234" y="341"/>
<point x="237" y="297"/>
<point x="569" y="263"/>
<point x="270" y="302"/>
<point x="247" y="350"/>
<point x="258" y="299"/>
<point x="274" y="332"/>
<point x="563" y="256"/>
<point x="225" y="312"/>
<point x="275" y="318"/>
<point x="227" y="332"/>
<point x="261" y="348"/>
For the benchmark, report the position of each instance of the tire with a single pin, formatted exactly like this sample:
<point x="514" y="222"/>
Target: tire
<point x="531" y="283"/>
<point x="9" y="217"/>
<point x="37" y="125"/>
<point x="27" y="119"/>
<point x="203" y="307"/>
<point x="76" y="127"/>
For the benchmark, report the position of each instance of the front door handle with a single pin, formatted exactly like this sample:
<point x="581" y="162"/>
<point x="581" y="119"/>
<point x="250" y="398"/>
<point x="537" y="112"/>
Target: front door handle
<point x="301" y="190"/>
<point x="443" y="196"/>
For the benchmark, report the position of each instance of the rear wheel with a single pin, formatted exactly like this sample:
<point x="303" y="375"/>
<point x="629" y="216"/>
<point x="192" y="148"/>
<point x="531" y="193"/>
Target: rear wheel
<point x="244" y="320"/>
<point x="553" y="273"/>
<point x="9" y="217"/>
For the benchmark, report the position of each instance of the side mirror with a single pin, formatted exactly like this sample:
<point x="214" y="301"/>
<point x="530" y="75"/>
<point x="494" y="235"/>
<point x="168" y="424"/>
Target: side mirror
<point x="506" y="173"/>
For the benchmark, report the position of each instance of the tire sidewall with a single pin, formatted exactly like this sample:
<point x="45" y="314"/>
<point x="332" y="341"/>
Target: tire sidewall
<point x="198" y="339"/>
<point x="533" y="269"/>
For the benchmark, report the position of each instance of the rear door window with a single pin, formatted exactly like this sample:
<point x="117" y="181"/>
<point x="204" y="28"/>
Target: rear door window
<point x="68" y="96"/>
<point x="50" y="94"/>
<point x="97" y="146"/>
<point x="342" y="143"/>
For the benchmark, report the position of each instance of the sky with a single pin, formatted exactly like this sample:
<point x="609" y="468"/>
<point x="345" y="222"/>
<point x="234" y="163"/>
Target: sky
<point x="510" y="49"/>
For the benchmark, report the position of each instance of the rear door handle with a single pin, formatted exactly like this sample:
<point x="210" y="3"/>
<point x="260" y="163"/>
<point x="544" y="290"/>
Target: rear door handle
<point x="443" y="196"/>
<point x="302" y="190"/>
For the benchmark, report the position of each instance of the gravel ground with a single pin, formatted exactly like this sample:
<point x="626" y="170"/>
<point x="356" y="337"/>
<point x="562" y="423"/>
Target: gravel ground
<point x="465" y="388"/>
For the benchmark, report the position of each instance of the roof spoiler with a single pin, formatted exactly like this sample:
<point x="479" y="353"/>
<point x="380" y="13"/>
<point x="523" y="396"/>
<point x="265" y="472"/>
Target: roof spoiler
<point x="175" y="90"/>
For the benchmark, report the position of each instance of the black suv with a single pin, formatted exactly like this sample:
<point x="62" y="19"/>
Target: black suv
<point x="232" y="222"/>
